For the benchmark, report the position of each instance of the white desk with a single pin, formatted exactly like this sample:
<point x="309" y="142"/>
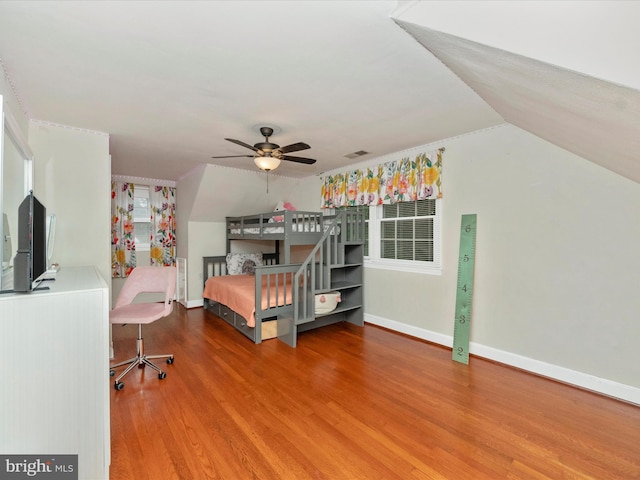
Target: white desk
<point x="54" y="369"/>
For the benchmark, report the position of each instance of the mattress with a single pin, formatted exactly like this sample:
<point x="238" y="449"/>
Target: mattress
<point x="238" y="293"/>
<point x="301" y="228"/>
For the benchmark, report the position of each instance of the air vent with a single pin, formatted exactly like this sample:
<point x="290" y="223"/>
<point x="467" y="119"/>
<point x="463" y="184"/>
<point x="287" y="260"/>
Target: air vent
<point x="357" y="154"/>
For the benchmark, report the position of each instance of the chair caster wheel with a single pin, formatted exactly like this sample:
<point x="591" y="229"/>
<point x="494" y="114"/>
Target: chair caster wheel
<point x="118" y="385"/>
<point x="112" y="373"/>
<point x="170" y="360"/>
<point x="162" y="376"/>
<point x="142" y="365"/>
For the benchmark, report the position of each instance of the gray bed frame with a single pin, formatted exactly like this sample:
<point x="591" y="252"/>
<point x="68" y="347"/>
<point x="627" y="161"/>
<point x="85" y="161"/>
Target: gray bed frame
<point x="335" y="261"/>
<point x="287" y="226"/>
<point x="217" y="266"/>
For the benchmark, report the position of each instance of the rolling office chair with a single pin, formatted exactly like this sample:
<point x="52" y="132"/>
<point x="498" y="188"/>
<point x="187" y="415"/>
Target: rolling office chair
<point x="143" y="280"/>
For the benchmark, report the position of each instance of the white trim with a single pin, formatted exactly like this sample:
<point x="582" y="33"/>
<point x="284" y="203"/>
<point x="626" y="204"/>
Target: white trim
<point x="181" y="280"/>
<point x="11" y="125"/>
<point x="555" y="372"/>
<point x="13" y="88"/>
<point x="142" y="191"/>
<point x="69" y="127"/>
<point x="15" y="134"/>
<point x="409" y="266"/>
<point x="143" y="181"/>
<point x="195" y="303"/>
<point x="373" y="260"/>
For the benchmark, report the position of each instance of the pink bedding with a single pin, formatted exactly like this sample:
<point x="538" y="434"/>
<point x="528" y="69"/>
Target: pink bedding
<point x="238" y="293"/>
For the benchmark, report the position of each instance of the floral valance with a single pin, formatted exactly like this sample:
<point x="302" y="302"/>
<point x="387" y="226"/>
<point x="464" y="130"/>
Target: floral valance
<point x="392" y="182"/>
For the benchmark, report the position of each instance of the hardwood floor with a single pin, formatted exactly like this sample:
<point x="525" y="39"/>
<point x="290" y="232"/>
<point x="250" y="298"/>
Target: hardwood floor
<point x="352" y="403"/>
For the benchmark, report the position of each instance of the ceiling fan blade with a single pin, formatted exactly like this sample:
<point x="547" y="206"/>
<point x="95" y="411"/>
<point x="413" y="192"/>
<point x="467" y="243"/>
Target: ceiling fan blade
<point x="242" y="144"/>
<point x="308" y="161"/>
<point x="234" y="156"/>
<point x="294" y="147"/>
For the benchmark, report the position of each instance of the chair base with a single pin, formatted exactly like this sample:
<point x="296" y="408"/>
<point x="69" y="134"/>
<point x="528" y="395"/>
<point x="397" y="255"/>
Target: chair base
<point x="141" y="360"/>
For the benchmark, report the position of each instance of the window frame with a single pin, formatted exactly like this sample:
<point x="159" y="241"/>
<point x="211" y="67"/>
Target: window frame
<point x="374" y="260"/>
<point x="144" y="189"/>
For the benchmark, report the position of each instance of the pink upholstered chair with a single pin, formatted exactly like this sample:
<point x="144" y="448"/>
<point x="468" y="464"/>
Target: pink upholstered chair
<point x="143" y="280"/>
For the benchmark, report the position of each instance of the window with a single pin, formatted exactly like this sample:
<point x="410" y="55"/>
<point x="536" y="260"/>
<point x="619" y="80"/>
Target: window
<point x="142" y="218"/>
<point x="406" y="231"/>
<point x="403" y="236"/>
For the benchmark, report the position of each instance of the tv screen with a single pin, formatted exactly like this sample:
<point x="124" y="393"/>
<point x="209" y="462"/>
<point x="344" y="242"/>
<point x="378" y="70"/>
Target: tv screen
<point x="31" y="258"/>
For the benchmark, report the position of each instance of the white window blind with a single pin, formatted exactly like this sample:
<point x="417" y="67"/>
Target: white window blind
<point x="403" y="236"/>
<point x="141" y="218"/>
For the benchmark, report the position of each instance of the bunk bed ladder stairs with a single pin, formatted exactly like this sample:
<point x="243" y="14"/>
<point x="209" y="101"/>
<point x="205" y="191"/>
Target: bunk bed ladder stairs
<point x="324" y="270"/>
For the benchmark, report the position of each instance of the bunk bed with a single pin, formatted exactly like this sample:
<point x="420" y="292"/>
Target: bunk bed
<point x="290" y="227"/>
<point x="281" y="299"/>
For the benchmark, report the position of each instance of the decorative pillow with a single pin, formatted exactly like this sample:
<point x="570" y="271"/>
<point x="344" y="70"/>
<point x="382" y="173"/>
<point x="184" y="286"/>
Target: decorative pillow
<point x="249" y="267"/>
<point x="239" y="263"/>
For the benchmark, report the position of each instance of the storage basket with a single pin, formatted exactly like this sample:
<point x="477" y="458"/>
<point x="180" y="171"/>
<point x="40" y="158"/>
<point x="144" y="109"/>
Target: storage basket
<point x="326" y="302"/>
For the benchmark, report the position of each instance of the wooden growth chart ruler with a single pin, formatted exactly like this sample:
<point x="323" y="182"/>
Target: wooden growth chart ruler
<point x="464" y="290"/>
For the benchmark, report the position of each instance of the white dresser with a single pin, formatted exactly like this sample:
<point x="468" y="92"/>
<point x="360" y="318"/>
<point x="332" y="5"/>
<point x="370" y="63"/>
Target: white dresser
<point x="54" y="371"/>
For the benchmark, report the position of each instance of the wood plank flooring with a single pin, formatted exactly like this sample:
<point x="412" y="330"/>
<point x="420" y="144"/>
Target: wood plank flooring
<point x="352" y="403"/>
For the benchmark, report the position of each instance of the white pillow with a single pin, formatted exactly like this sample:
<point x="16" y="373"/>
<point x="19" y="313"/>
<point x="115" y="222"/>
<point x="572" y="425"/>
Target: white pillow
<point x="243" y="263"/>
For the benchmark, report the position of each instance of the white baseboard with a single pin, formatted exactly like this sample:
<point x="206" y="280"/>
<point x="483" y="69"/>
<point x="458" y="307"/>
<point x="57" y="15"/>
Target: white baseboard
<point x="562" y="374"/>
<point x="194" y="303"/>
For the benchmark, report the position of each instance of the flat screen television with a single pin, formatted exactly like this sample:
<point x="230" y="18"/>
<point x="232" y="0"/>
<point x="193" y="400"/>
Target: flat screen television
<point x="30" y="261"/>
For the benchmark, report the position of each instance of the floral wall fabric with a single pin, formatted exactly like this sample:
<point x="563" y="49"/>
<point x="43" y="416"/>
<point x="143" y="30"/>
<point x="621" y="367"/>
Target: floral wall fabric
<point x="392" y="182"/>
<point x="123" y="248"/>
<point x="163" y="225"/>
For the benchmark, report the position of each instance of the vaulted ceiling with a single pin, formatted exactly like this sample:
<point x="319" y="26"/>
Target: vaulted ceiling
<point x="170" y="80"/>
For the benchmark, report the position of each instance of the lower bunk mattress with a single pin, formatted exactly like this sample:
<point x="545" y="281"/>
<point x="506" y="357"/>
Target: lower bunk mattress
<point x="238" y="293"/>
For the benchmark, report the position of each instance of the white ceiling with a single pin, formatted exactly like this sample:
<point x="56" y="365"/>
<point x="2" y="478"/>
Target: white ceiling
<point x="170" y="80"/>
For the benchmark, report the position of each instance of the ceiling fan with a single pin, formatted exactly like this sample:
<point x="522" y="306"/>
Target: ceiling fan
<point x="268" y="155"/>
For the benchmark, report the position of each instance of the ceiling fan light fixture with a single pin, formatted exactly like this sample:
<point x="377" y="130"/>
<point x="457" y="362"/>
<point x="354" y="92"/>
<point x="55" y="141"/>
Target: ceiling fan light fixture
<point x="266" y="163"/>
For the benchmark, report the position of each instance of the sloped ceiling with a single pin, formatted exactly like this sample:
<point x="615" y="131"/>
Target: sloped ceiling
<point x="170" y="80"/>
<point x="597" y="120"/>
<point x="587" y="103"/>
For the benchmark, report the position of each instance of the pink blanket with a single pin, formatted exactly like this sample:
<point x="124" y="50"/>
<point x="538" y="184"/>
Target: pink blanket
<point x="238" y="293"/>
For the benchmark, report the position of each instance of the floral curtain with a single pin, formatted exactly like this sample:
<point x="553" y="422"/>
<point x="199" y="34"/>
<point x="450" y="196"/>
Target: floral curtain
<point x="163" y="225"/>
<point x="392" y="182"/>
<point x="123" y="247"/>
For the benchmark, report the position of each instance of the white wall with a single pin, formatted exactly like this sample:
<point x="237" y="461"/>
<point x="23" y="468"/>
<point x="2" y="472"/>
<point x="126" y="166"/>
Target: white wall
<point x="11" y="178"/>
<point x="12" y="192"/>
<point x="209" y="194"/>
<point x="556" y="269"/>
<point x="556" y="273"/>
<point x="224" y="191"/>
<point x="73" y="180"/>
